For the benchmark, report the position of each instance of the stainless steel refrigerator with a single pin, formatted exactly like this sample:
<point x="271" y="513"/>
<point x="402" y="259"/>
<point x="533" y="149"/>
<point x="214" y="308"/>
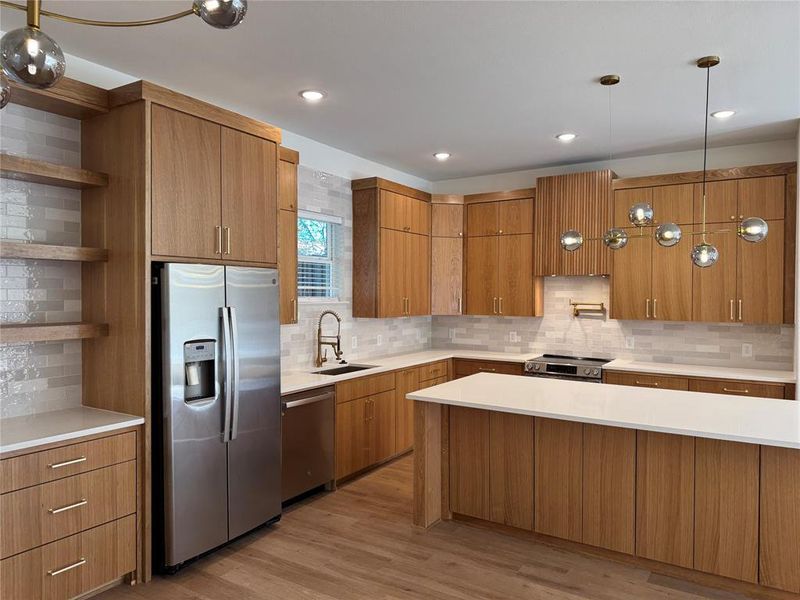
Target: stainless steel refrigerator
<point x="219" y="405"/>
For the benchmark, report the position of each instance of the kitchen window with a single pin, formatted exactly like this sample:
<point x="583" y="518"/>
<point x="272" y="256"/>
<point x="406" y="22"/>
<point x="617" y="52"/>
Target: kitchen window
<point x="316" y="236"/>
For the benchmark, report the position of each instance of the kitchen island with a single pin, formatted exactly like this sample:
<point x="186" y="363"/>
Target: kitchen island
<point x="695" y="484"/>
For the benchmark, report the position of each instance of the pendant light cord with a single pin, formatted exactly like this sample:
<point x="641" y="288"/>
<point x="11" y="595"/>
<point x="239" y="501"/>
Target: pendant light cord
<point x="705" y="150"/>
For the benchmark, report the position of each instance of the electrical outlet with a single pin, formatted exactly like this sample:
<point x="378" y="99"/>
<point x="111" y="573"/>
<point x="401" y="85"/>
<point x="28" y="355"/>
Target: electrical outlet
<point x="629" y="342"/>
<point x="512" y="336"/>
<point x="747" y="350"/>
<point x="451" y="334"/>
<point x="379" y="340"/>
<point x="354" y="342"/>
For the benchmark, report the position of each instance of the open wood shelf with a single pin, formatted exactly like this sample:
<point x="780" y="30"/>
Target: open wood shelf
<point x="13" y="333"/>
<point x="10" y="249"/>
<point x="69" y="98"/>
<point x="39" y="171"/>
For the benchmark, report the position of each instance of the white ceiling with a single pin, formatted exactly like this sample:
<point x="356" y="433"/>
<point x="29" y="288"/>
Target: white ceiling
<point x="490" y="82"/>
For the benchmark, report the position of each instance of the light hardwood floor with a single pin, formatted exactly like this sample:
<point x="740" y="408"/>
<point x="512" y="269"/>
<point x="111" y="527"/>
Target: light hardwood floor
<point x="359" y="543"/>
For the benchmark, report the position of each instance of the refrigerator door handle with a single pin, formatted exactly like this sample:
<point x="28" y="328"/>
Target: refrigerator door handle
<point x="235" y="388"/>
<point x="227" y="357"/>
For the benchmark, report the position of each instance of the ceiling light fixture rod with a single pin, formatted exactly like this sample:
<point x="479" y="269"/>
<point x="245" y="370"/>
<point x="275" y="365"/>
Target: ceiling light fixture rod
<point x="34" y="11"/>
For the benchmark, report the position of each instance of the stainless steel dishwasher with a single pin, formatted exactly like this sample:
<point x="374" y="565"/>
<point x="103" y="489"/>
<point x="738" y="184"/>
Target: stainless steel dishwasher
<point x="308" y="437"/>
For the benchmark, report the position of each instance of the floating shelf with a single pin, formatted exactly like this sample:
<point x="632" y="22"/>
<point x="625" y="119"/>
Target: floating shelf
<point x="10" y="249"/>
<point x="13" y="333"/>
<point x="69" y="98"/>
<point x="38" y="171"/>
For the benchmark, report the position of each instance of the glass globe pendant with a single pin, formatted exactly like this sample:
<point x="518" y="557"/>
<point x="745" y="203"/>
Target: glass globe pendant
<point x="222" y="14"/>
<point x="571" y="240"/>
<point x="5" y="90"/>
<point x="615" y="239"/>
<point x="704" y="255"/>
<point x="641" y="214"/>
<point x="668" y="234"/>
<point x="753" y="229"/>
<point x="31" y="57"/>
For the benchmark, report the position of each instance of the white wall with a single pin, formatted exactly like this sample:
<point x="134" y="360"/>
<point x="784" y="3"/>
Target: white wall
<point x="675" y="162"/>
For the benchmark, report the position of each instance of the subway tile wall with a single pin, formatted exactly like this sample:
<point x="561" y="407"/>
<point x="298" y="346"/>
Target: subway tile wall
<point x="328" y="194"/>
<point x="42" y="376"/>
<point x="558" y="332"/>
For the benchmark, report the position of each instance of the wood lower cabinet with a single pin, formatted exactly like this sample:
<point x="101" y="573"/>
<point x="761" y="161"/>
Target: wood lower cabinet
<point x="726" y="509"/>
<point x="462" y="367"/>
<point x="733" y="387"/>
<point x="511" y="452"/>
<point x="665" y="496"/>
<point x="558" y="479"/>
<point x="469" y="462"/>
<point x="365" y="432"/>
<point x="406" y="382"/>
<point x="663" y="382"/>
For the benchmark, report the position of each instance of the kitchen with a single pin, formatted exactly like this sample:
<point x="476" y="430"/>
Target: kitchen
<point x="300" y="336"/>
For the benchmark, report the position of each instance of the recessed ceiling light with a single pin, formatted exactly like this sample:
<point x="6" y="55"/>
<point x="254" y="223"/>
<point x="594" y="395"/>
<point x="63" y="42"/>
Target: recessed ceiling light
<point x="312" y="95"/>
<point x="441" y="155"/>
<point x="566" y="137"/>
<point x="723" y="114"/>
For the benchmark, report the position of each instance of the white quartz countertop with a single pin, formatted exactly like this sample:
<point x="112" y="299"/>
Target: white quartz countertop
<point x="764" y="375"/>
<point x="735" y="418"/>
<point x="29" y="431"/>
<point x="298" y="381"/>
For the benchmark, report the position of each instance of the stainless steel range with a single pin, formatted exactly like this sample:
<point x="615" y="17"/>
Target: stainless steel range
<point x="566" y="367"/>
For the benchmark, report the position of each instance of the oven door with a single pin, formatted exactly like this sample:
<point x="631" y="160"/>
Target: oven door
<point x="565" y="377"/>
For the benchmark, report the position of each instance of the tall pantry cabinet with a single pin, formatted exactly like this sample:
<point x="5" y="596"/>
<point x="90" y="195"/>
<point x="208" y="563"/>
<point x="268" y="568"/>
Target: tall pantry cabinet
<point x="287" y="233"/>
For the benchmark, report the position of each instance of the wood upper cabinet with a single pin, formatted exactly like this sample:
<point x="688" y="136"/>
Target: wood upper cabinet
<point x="714" y="288"/>
<point x="762" y="197"/>
<point x="631" y="280"/>
<point x="760" y="278"/>
<point x="481" y="277"/>
<point x="515" y="275"/>
<point x="722" y="201"/>
<point x="392" y="251"/>
<point x="214" y="191"/>
<point x="447" y="220"/>
<point x="287" y="178"/>
<point x="673" y="204"/>
<point x="672" y="270"/>
<point x="186" y="185"/>
<point x="515" y="216"/>
<point x="287" y="233"/>
<point x="482" y="219"/>
<point x="447" y="265"/>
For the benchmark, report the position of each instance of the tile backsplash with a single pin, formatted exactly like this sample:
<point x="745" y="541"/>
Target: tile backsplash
<point x="558" y="332"/>
<point x="39" y="377"/>
<point x="320" y="192"/>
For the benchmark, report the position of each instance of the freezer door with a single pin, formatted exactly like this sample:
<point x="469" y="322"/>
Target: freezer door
<point x="195" y="480"/>
<point x="254" y="452"/>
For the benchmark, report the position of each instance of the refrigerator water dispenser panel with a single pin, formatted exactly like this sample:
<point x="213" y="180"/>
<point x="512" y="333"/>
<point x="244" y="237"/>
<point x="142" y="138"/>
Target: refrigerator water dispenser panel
<point x="199" y="370"/>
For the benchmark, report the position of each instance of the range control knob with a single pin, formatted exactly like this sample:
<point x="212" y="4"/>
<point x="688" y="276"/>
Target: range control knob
<point x="596" y="372"/>
<point x="587" y="371"/>
<point x="537" y="367"/>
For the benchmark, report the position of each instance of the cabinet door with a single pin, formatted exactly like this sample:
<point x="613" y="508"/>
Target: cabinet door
<point x="662" y="382"/>
<point x="249" y="198"/>
<point x="511" y="469"/>
<point x="418" y="216"/>
<point x="352" y="437"/>
<point x="760" y="278"/>
<point x="624" y="199"/>
<point x="417" y="272"/>
<point x="391" y="301"/>
<point x="721" y="201"/>
<point x="733" y="387"/>
<point x="714" y="288"/>
<point x="382" y="426"/>
<point x="762" y="197"/>
<point x="481" y="275"/>
<point x="446" y="275"/>
<point x="515" y="216"/>
<point x="469" y="462"/>
<point x="287" y="264"/>
<point x="405" y="382"/>
<point x="673" y="204"/>
<point x="779" y="554"/>
<point x="394" y="211"/>
<point x="287" y="185"/>
<point x="447" y="220"/>
<point x="665" y="498"/>
<point x="672" y="281"/>
<point x="515" y="275"/>
<point x="631" y="279"/>
<point x="482" y="219"/>
<point x="186" y="185"/>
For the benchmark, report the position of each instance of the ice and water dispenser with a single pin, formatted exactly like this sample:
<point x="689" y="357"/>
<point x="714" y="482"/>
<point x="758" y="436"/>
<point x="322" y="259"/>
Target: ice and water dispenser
<point x="199" y="371"/>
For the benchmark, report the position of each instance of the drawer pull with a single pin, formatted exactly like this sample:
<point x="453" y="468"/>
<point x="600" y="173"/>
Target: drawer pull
<point x="645" y="383"/>
<point x="732" y="391"/>
<point x="486" y="370"/>
<point x="79" y="563"/>
<point x="60" y="509"/>
<point x="67" y="463"/>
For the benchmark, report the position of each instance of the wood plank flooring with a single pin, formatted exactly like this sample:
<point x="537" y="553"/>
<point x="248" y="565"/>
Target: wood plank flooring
<point x="359" y="543"/>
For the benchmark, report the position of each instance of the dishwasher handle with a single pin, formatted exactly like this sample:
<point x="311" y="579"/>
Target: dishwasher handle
<point x="309" y="400"/>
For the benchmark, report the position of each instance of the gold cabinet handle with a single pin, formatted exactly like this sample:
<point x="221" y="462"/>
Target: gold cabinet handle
<point x="646" y="384"/>
<point x="732" y="391"/>
<point x="80" y="562"/>
<point x="227" y="240"/>
<point x="499" y="231"/>
<point x="60" y="509"/>
<point x="740" y="309"/>
<point x="459" y="306"/>
<point x="218" y="249"/>
<point x="67" y="463"/>
<point x="494" y="306"/>
<point x="500" y="304"/>
<point x="487" y="370"/>
<point x="733" y="217"/>
<point x="732" y="319"/>
<point x="647" y="308"/>
<point x="655" y="300"/>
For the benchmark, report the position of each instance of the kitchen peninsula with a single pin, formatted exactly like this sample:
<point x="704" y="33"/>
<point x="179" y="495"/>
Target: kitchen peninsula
<point x="699" y="485"/>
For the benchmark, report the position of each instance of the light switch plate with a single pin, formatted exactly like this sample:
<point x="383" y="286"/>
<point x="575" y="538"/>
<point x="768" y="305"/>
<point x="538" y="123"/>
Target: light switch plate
<point x="354" y="342"/>
<point x="747" y="350"/>
<point x="629" y="342"/>
<point x="379" y="340"/>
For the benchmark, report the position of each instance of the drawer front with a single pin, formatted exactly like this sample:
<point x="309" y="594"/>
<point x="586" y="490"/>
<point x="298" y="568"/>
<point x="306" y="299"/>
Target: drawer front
<point x="48" y="465"/>
<point x="72" y="566"/>
<point x="463" y="368"/>
<point x="433" y="370"/>
<point x="650" y="381"/>
<point x="738" y="388"/>
<point x="364" y="386"/>
<point x="44" y="513"/>
<point x="437" y="381"/>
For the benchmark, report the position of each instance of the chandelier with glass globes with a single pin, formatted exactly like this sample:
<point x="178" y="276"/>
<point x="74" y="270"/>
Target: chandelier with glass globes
<point x="640" y="215"/>
<point x="32" y="58"/>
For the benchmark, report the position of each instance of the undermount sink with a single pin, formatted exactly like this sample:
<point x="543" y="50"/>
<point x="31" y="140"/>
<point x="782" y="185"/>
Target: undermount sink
<point x="343" y="370"/>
